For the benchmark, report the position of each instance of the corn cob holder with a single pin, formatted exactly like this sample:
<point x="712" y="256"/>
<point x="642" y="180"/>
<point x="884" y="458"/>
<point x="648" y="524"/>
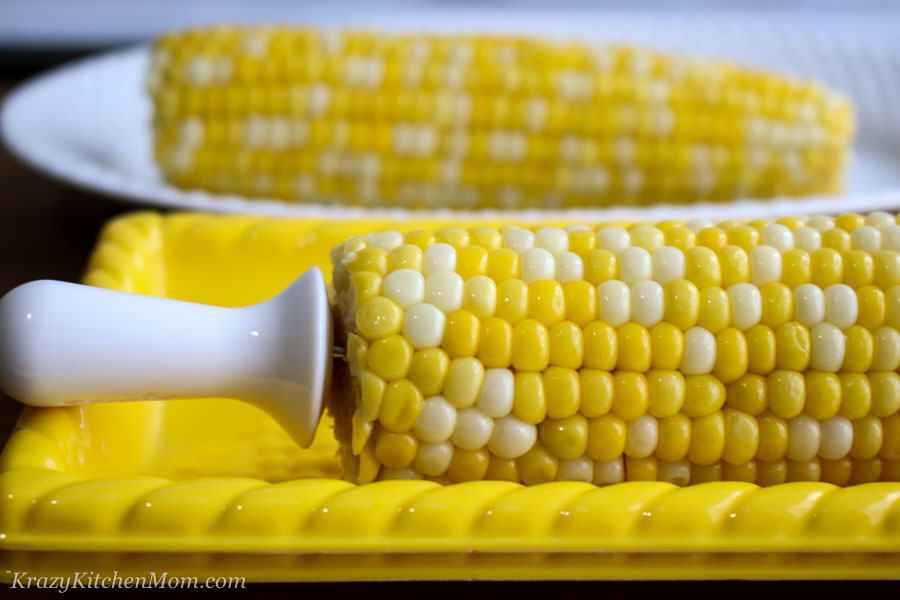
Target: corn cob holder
<point x="683" y="353"/>
<point x="436" y="121"/>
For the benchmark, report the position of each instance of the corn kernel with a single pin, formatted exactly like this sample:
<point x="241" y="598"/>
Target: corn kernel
<point x="400" y="406"/>
<point x="582" y="242"/>
<point x="406" y="256"/>
<point x="827" y="267"/>
<point x="796" y="269"/>
<point x="433" y="459"/>
<point x="596" y="392"/>
<point x="715" y="310"/>
<point x="468" y="465"/>
<point x="793" y="347"/>
<point x="566" y="438"/>
<point x="735" y="266"/>
<point x="668" y="264"/>
<point x="699" y="351"/>
<point x="806" y="470"/>
<point x="512" y="437"/>
<point x="512" y="304"/>
<point x="538" y="465"/>
<point x="786" y="392"/>
<point x="731" y="355"/>
<point x="647" y="237"/>
<point x="599" y="266"/>
<point x="682" y="304"/>
<point x="502" y="469"/>
<point x="836" y="239"/>
<point x="849" y="222"/>
<point x="471" y="261"/>
<point x="480" y="296"/>
<point x="641" y="469"/>
<point x="463" y="381"/>
<point x="743" y="472"/>
<point x="461" y="334"/>
<point x="771" y="472"/>
<point x="859" y="268"/>
<point x="531" y="346"/>
<point x="601" y="343"/>
<point x="886" y="353"/>
<point x="761" y="349"/>
<point x="373" y="260"/>
<point x="630" y="398"/>
<point x="872" y="309"/>
<point x="885" y="388"/>
<point x="705" y="473"/>
<point x="423" y="325"/>
<point x="436" y="421"/>
<point x="856" y="395"/>
<point x="634" y="348"/>
<point x="702" y="267"/>
<point x="887" y="269"/>
<point x="580" y="302"/>
<point x="744" y="236"/>
<point x="865" y="471"/>
<point x="868" y="436"/>
<point x="503" y="264"/>
<point x="674" y="437"/>
<point x="422" y="239"/>
<point x="747" y="394"/>
<point x="563" y="392"/>
<point x="765" y="265"/>
<point x="859" y="350"/>
<point x="606" y="438"/>
<point x="487" y="238"/>
<point x="361" y="432"/>
<point x="530" y="403"/>
<point x="712" y="237"/>
<point x="546" y="302"/>
<point x="566" y="345"/>
<point x="804" y="438"/>
<point x="836" y="472"/>
<point x="641" y="437"/>
<point x="473" y="429"/>
<point x="777" y="304"/>
<point x="391" y="357"/>
<point x="667" y="344"/>
<point x="495" y="343"/>
<point x="704" y="395"/>
<point x="677" y="473"/>
<point x="807" y="238"/>
<point x="378" y="317"/>
<point x="395" y="450"/>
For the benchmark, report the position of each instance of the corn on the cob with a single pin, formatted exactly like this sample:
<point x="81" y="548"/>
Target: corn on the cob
<point x="764" y="352"/>
<point x="481" y="121"/>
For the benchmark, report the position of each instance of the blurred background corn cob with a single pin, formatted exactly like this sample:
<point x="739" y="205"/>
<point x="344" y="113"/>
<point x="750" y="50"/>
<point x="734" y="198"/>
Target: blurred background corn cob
<point x="762" y="352"/>
<point x="379" y="119"/>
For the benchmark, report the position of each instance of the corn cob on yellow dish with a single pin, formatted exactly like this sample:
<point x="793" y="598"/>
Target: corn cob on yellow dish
<point x="377" y="119"/>
<point x="762" y="352"/>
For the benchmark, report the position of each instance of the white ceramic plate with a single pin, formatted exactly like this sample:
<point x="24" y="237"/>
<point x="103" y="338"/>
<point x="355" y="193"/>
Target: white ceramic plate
<point x="88" y="123"/>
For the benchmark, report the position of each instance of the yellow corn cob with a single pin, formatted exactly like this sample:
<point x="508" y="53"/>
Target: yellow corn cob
<point x="764" y="352"/>
<point x="481" y="121"/>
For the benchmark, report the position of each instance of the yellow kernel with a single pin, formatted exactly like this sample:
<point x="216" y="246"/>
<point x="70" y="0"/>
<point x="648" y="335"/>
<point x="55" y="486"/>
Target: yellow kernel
<point x="546" y="302"/>
<point x="667" y="343"/>
<point x="580" y="301"/>
<point x="503" y="264"/>
<point x="596" y="392"/>
<point x="361" y="433"/>
<point x="748" y="394"/>
<point x="744" y="236"/>
<point x="405" y="256"/>
<point x="680" y="237"/>
<point x="606" y="438"/>
<point x="743" y="472"/>
<point x="395" y="450"/>
<point x="859" y="268"/>
<point x="565" y="438"/>
<point x="890" y="446"/>
<point x="872" y="307"/>
<point x="702" y="267"/>
<point x="531" y="346"/>
<point x="538" y="465"/>
<point x="495" y="343"/>
<point x="887" y="269"/>
<point x="529" y="400"/>
<point x="461" y="333"/>
<point x="630" y="396"/>
<point x="778" y="304"/>
<point x="715" y="309"/>
<point x="771" y="472"/>
<point x="601" y="343"/>
<point x="731" y="355"/>
<point x="668" y="224"/>
<point x="634" y="348"/>
<point x="786" y="391"/>
<point x="705" y="473"/>
<point x="480" y="296"/>
<point x="562" y="389"/>
<point x="599" y="266"/>
<point x="463" y="381"/>
<point x="885" y="387"/>
<point x="773" y="437"/>
<point x="357" y="354"/>
<point x="468" y="465"/>
<point x="867" y="437"/>
<point x="682" y="304"/>
<point x="859" y="349"/>
<point x="836" y="239"/>
<point x="735" y="266"/>
<point x="502" y="469"/>
<point x="378" y="317"/>
<point x="761" y="351"/>
<point x="641" y="469"/>
<point x="804" y="470"/>
<point x="566" y="345"/>
<point x="370" y="259"/>
<point x="674" y="437"/>
<point x="391" y="357"/>
<point x="419" y="238"/>
<point x="836" y="472"/>
<point x="371" y="392"/>
<point x="512" y="300"/>
<point x="856" y="395"/>
<point x="712" y="237"/>
<point x="665" y="392"/>
<point x="707" y="439"/>
<point x="428" y="370"/>
<point x="400" y="407"/>
<point x="455" y="236"/>
<point x="795" y="267"/>
<point x="365" y="285"/>
<point x="741" y="437"/>
<point x="792" y="350"/>
<point x="582" y="242"/>
<point x="823" y="395"/>
<point x="865" y="470"/>
<point x="703" y="395"/>
<point x="827" y="267"/>
<point x="487" y="238"/>
<point x="792" y="222"/>
<point x="849" y="221"/>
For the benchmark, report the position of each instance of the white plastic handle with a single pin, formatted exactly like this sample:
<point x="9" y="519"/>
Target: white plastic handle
<point x="63" y="343"/>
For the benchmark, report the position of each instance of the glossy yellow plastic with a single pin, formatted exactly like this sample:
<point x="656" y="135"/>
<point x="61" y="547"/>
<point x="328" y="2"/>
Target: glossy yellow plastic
<point x="214" y="487"/>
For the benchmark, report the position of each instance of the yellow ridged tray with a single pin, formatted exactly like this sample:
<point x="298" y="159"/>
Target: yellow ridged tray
<point x="214" y="487"/>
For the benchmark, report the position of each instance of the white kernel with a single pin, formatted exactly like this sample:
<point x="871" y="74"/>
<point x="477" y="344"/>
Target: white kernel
<point x="886" y="351"/>
<point x="552" y="239"/>
<point x="614" y="302"/>
<point x="866" y="238"/>
<point x="807" y="238"/>
<point x="480" y="296"/>
<point x="386" y="240"/>
<point x="699" y="351"/>
<point x="641" y="436"/>
<point x="473" y="429"/>
<point x="746" y="305"/>
<point x="828" y="346"/>
<point x="778" y="236"/>
<point x="647" y="303"/>
<point x="433" y="459"/>
<point x="444" y="290"/>
<point x="698" y="225"/>
<point x="406" y="287"/>
<point x="537" y="264"/>
<point x="890" y="238"/>
<point x="512" y="437"/>
<point x="520" y="240"/>
<point x="765" y="265"/>
<point x="569" y="267"/>
<point x="576" y="469"/>
<point x="439" y="257"/>
<point x="677" y="472"/>
<point x="809" y="304"/>
<point x="804" y="436"/>
<point x="607" y="473"/>
<point x="437" y="420"/>
<point x="837" y="437"/>
<point x="821" y="223"/>
<point x="880" y="219"/>
<point x="668" y="264"/>
<point x="841" y="305"/>
<point x="423" y="326"/>
<point x="497" y="392"/>
<point x="614" y="239"/>
<point x="635" y="265"/>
